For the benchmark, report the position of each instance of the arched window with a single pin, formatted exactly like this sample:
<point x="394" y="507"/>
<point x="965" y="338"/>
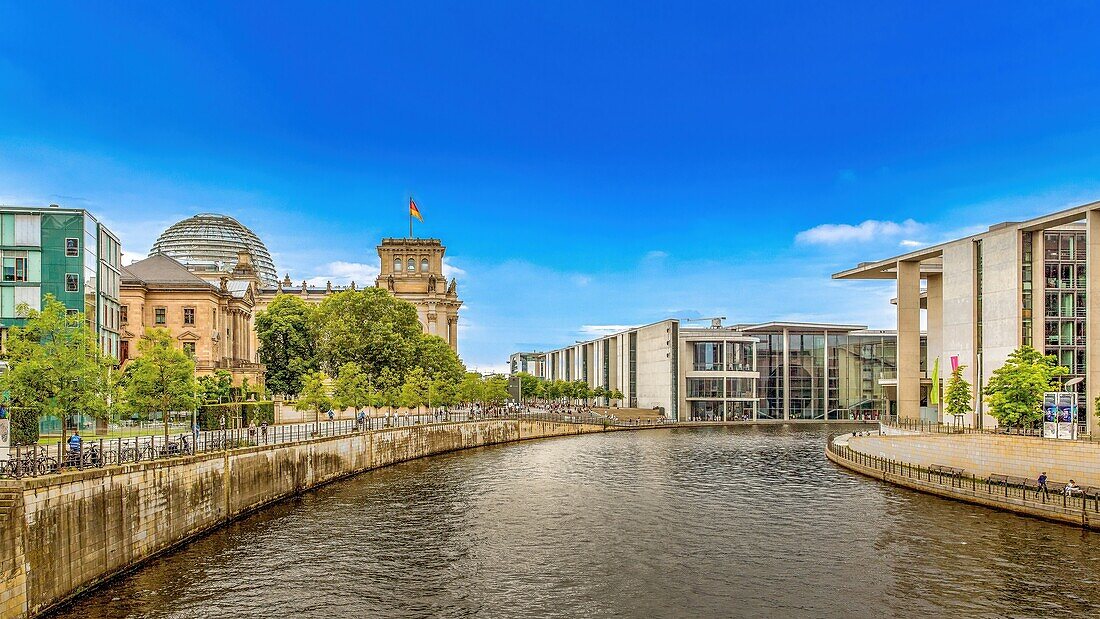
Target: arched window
<point x="423" y="265"/>
<point x="412" y="266"/>
<point x="397" y="265"/>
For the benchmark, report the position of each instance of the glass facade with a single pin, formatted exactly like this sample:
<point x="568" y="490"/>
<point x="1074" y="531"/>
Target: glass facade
<point x="717" y="396"/>
<point x="831" y="375"/>
<point x="1064" y="294"/>
<point x="211" y="242"/>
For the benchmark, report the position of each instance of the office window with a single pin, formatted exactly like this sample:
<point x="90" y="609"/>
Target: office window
<point x="72" y="282"/>
<point x="189" y="348"/>
<point x="160" y="315"/>
<point x="123" y="314"/>
<point x="71" y="312"/>
<point x="15" y="269"/>
<point x="188" y="315"/>
<point x="72" y="248"/>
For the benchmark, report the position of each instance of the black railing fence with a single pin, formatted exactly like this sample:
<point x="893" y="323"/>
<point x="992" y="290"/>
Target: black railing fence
<point x="1085" y="499"/>
<point x="36" y="460"/>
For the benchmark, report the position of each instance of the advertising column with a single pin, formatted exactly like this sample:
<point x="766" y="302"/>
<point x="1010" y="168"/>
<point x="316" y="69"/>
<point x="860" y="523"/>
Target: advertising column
<point x="5" y="433"/>
<point x="1060" y="415"/>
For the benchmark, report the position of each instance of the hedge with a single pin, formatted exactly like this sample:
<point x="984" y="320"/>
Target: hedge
<point x="24" y="426"/>
<point x="210" y="415"/>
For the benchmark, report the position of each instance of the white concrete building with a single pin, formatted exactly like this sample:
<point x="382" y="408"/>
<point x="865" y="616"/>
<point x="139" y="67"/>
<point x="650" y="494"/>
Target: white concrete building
<point x="985" y="295"/>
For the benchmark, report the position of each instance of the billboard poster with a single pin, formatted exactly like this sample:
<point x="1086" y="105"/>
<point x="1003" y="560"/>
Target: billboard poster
<point x="5" y="432"/>
<point x="1060" y="414"/>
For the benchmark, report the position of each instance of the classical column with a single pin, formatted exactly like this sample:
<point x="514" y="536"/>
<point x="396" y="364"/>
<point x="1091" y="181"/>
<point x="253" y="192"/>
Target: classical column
<point x="908" y="340"/>
<point x="934" y="303"/>
<point x="1092" y="319"/>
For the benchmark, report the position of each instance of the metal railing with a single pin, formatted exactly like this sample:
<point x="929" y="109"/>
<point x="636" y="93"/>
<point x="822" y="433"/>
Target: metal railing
<point x="37" y="460"/>
<point x="933" y="427"/>
<point x="1088" y="499"/>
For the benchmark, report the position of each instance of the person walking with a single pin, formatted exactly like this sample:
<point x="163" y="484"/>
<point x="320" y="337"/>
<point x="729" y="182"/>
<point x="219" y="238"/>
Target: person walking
<point x="252" y="431"/>
<point x="1043" y="482"/>
<point x="195" y="436"/>
<point x="263" y="431"/>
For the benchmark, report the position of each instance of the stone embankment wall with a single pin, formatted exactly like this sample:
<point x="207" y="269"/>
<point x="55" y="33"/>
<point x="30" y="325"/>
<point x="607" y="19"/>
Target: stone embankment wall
<point x="986" y="454"/>
<point x="63" y="534"/>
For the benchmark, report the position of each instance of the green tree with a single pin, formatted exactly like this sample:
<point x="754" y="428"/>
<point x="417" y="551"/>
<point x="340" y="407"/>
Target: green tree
<point x="216" y="388"/>
<point x="369" y="327"/>
<point x="528" y="384"/>
<point x="616" y="396"/>
<point x="161" y="378"/>
<point x="958" y="397"/>
<point x="414" y="392"/>
<point x="495" y="390"/>
<point x="1015" y="390"/>
<point x="352" y="388"/>
<point x="314" y="397"/>
<point x="389" y="385"/>
<point x="55" y="366"/>
<point x="285" y="332"/>
<point x="581" y="391"/>
<point x="471" y="389"/>
<point x="600" y="392"/>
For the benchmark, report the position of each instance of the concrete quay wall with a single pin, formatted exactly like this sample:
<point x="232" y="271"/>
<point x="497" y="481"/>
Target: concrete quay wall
<point x="985" y="454"/>
<point x="63" y="534"/>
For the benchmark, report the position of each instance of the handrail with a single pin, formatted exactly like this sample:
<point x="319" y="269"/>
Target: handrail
<point x="1038" y="497"/>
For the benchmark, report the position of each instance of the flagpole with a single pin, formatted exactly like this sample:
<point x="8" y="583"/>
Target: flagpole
<point x="410" y="218"/>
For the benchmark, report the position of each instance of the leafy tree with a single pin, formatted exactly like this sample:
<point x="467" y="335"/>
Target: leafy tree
<point x="369" y="327"/>
<point x="285" y="333"/>
<point x="55" y="366"/>
<point x="616" y="396"/>
<point x="352" y="388"/>
<point x="600" y="392"/>
<point x="581" y="391"/>
<point x="471" y="389"/>
<point x="389" y="385"/>
<point x="162" y="377"/>
<point x="215" y="388"/>
<point x="438" y="360"/>
<point x="314" y="396"/>
<point x="528" y="384"/>
<point x="495" y="390"/>
<point x="1015" y="390"/>
<point x="414" y="393"/>
<point x="958" y="397"/>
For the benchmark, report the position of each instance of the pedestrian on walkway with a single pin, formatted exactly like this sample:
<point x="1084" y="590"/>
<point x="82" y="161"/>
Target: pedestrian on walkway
<point x="252" y="431"/>
<point x="75" y="443"/>
<point x="263" y="431"/>
<point x="1043" y="482"/>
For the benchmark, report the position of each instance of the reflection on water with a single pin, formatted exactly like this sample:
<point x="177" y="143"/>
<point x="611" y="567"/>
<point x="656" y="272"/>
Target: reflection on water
<point x="716" y="522"/>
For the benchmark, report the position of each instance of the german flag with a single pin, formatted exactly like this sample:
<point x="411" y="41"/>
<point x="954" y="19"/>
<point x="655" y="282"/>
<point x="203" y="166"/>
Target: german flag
<point x="414" y="211"/>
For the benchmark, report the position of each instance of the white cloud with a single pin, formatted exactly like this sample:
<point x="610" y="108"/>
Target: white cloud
<point x="581" y="280"/>
<point x="451" y="270"/>
<point x="870" y="230"/>
<point x="656" y="254"/>
<point x="342" y="273"/>
<point x="912" y="243"/>
<point x="129" y="258"/>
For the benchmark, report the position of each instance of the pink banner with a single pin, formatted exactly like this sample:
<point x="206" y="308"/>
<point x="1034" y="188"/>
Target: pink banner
<point x="954" y="362"/>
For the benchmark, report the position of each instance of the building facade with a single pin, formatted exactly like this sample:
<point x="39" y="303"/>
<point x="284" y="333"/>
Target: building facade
<point x="985" y="295"/>
<point x="412" y="270"/>
<point x="66" y="253"/>
<point x="770" y="371"/>
<point x="211" y="322"/>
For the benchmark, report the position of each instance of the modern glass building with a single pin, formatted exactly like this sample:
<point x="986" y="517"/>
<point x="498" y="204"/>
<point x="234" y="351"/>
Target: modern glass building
<point x="780" y="371"/>
<point x="66" y="253"/>
<point x="209" y="242"/>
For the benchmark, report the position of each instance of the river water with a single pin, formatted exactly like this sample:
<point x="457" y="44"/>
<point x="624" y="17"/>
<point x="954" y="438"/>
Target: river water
<point x="715" y="522"/>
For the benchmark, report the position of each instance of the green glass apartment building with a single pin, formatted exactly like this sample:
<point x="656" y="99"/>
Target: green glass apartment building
<point x="66" y="253"/>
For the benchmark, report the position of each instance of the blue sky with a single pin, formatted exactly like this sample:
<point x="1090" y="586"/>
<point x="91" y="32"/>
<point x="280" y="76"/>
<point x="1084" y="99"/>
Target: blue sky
<point x="588" y="164"/>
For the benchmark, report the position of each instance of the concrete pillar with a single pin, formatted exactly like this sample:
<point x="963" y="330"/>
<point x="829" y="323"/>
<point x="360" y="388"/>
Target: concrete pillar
<point x="934" y="303"/>
<point x="1092" y="319"/>
<point x="908" y="340"/>
<point x="786" y="374"/>
<point x="1038" y="291"/>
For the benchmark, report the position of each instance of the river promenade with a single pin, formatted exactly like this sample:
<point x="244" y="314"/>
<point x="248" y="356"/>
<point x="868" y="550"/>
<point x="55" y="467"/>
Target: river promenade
<point x="992" y="470"/>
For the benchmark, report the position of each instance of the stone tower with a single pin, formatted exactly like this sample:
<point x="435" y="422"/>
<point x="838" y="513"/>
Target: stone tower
<point x="412" y="269"/>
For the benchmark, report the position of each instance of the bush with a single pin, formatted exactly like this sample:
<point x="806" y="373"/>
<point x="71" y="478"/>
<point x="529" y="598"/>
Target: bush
<point x="210" y="414"/>
<point x="24" y="426"/>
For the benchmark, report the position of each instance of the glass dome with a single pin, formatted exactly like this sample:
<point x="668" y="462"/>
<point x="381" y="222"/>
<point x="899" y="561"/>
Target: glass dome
<point x="210" y="242"/>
